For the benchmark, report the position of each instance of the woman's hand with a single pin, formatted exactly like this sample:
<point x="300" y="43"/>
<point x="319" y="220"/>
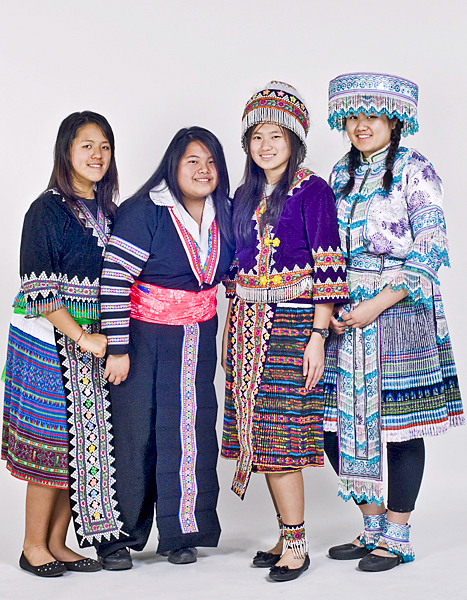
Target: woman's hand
<point x="116" y="368"/>
<point x="369" y="310"/>
<point x="363" y="314"/>
<point x="93" y="342"/>
<point x="337" y="326"/>
<point x="313" y="361"/>
<point x="96" y="343"/>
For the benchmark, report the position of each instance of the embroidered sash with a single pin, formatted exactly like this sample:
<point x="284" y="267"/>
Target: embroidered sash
<point x="359" y="387"/>
<point x="93" y="496"/>
<point x="154" y="304"/>
<point x="249" y="344"/>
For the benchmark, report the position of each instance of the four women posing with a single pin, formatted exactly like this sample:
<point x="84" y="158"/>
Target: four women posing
<point x="389" y="374"/>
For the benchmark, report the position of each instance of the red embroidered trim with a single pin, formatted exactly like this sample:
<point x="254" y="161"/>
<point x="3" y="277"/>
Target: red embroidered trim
<point x="206" y="273"/>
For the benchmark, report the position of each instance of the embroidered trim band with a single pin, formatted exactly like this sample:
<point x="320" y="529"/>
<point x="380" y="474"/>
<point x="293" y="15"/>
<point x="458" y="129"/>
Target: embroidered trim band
<point x="397" y="539"/>
<point x="188" y="484"/>
<point x="374" y="525"/>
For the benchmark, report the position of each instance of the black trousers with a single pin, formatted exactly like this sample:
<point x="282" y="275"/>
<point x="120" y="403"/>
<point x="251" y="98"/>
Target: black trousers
<point x="406" y="461"/>
<point x="164" y="418"/>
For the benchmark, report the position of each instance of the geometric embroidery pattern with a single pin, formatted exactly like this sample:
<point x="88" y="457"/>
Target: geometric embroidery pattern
<point x="249" y="344"/>
<point x="92" y="485"/>
<point x="188" y="484"/>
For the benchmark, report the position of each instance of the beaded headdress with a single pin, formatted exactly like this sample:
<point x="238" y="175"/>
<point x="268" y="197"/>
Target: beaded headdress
<point x="277" y="103"/>
<point x="373" y="93"/>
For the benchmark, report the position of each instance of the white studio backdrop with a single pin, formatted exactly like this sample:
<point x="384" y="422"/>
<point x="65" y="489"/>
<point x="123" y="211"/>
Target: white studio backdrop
<point x="152" y="67"/>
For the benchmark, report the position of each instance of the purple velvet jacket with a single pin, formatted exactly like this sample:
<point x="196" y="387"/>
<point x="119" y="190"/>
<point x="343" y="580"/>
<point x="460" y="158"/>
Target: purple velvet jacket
<point x="299" y="256"/>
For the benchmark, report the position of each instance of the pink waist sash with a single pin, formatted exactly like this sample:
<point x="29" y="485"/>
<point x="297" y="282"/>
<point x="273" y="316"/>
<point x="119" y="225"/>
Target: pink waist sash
<point x="155" y="304"/>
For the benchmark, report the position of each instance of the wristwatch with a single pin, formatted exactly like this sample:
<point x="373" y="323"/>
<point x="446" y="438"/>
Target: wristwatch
<point x="324" y="333"/>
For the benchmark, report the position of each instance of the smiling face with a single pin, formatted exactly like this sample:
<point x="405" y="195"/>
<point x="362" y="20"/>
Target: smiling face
<point x="369" y="134"/>
<point x="197" y="173"/>
<point x="90" y="158"/>
<point x="270" y="149"/>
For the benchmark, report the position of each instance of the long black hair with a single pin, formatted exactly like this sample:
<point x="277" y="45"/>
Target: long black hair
<point x="168" y="171"/>
<point x="62" y="173"/>
<point x="354" y="161"/>
<point x="249" y="194"/>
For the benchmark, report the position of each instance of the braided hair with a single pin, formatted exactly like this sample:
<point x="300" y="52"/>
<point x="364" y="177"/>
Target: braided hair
<point x="354" y="161"/>
<point x="393" y="147"/>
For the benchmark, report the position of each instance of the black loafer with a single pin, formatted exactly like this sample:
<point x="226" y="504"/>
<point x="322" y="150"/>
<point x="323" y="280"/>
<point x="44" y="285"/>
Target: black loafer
<point x="348" y="552"/>
<point x="265" y="559"/>
<point x="120" y="560"/>
<point x="85" y="565"/>
<point x="373" y="563"/>
<point x="184" y="556"/>
<point x="51" y="569"/>
<point x="285" y="574"/>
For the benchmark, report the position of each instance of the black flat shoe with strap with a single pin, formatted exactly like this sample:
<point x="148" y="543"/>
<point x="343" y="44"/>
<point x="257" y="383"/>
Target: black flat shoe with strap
<point x="374" y="563"/>
<point x="348" y="551"/>
<point x="265" y="559"/>
<point x="284" y="573"/>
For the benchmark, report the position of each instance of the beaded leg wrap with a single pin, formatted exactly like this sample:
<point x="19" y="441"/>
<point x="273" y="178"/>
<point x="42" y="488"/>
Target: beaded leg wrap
<point x="295" y="539"/>
<point x="374" y="526"/>
<point x="281" y="526"/>
<point x="397" y="539"/>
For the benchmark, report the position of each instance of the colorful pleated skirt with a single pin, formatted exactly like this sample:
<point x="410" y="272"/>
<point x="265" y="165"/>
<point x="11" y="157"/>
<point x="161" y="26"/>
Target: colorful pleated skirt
<point x="271" y="422"/>
<point x="35" y="435"/>
<point x="56" y="423"/>
<point x="417" y="377"/>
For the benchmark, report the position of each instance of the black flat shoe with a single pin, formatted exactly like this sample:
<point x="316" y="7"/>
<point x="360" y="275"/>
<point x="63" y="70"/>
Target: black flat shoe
<point x="120" y="560"/>
<point x="184" y="556"/>
<point x="373" y="563"/>
<point x="285" y="574"/>
<point x="265" y="559"/>
<point x="51" y="569"/>
<point x="84" y="565"/>
<point x="348" y="552"/>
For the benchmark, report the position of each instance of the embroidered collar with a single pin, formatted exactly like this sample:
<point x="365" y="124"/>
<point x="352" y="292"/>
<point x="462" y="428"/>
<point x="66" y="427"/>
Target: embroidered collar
<point x="201" y="244"/>
<point x="99" y="226"/>
<point x="300" y="177"/>
<point x="162" y="196"/>
<point x="377" y="156"/>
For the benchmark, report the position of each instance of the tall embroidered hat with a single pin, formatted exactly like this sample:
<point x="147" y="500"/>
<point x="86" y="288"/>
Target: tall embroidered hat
<point x="375" y="93"/>
<point x="277" y="103"/>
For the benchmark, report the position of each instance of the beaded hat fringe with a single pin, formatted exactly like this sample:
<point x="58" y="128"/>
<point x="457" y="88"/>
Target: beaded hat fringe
<point x="373" y="93"/>
<point x="279" y="103"/>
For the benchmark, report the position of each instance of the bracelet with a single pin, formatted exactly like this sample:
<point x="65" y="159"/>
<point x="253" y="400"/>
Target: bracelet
<point x="82" y="333"/>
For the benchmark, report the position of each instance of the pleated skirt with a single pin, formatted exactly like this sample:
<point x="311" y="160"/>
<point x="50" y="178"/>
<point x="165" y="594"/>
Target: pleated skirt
<point x="420" y="393"/>
<point x="285" y="431"/>
<point x="35" y="435"/>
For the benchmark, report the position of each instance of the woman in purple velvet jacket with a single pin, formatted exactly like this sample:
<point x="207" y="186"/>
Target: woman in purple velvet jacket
<point x="288" y="275"/>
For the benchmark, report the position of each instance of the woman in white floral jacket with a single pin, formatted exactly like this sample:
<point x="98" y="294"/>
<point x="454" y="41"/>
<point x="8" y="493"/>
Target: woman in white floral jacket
<point x="390" y="373"/>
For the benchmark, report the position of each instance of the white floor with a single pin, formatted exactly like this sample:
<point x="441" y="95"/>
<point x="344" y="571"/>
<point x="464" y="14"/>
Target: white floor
<point x="438" y="573"/>
<point x="438" y="535"/>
